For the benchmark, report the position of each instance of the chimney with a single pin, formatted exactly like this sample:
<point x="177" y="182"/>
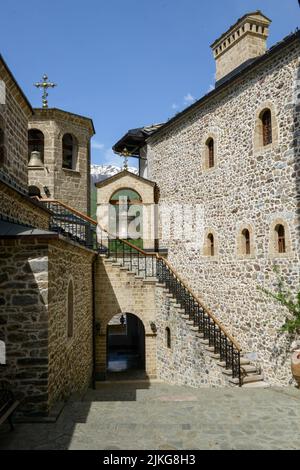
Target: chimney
<point x="245" y="40"/>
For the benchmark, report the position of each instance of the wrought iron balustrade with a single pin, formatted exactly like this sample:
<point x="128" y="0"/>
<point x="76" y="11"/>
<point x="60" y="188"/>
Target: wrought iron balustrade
<point x="72" y="224"/>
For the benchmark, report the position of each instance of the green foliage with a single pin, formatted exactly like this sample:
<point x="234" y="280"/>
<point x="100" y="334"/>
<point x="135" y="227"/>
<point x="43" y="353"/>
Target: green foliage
<point x="291" y="302"/>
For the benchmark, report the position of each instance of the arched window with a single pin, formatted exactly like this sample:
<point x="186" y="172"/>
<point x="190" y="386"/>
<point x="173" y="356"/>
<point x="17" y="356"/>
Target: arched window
<point x="70" y="309"/>
<point x="129" y="196"/>
<point x="210" y="153"/>
<point x="266" y="120"/>
<point x="210" y="244"/>
<point x="246" y="242"/>
<point x="280" y="233"/>
<point x="70" y="149"/>
<point x="168" y="338"/>
<point x="35" y="143"/>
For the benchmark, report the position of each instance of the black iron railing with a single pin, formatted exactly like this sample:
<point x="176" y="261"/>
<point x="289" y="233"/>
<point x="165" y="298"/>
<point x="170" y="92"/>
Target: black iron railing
<point x="154" y="266"/>
<point x="72" y="224"/>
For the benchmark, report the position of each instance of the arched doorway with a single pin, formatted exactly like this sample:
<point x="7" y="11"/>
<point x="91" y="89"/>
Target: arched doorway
<point x="126" y="215"/>
<point x="125" y="347"/>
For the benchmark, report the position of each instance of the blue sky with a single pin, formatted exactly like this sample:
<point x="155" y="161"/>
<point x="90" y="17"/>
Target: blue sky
<point x="124" y="63"/>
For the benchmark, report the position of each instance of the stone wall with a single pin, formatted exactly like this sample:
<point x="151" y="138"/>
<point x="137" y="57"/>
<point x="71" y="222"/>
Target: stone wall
<point x="70" y="359"/>
<point x="24" y="322"/>
<point x="248" y="187"/>
<point x="43" y="364"/>
<point x="14" y="115"/>
<point x="186" y="362"/>
<point x="24" y="211"/>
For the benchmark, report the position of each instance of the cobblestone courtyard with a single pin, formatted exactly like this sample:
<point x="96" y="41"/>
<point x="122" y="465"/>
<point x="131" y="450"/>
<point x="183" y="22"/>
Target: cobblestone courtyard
<point x="164" y="417"/>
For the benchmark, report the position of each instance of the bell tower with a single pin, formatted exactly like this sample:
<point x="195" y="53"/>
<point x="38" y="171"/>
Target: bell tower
<point x="59" y="156"/>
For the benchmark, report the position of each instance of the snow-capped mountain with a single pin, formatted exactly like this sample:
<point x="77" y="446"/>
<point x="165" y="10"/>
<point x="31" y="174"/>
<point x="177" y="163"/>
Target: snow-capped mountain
<point x="102" y="172"/>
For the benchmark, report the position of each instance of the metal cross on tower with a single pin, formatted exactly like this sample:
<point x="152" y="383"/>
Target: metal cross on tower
<point x="44" y="84"/>
<point x="125" y="154"/>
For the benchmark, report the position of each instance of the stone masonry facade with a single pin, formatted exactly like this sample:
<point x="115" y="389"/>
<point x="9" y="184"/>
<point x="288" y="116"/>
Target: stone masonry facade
<point x="186" y="361"/>
<point x="14" y="115"/>
<point x="21" y="209"/>
<point x="70" y="359"/>
<point x="249" y="186"/>
<point x="44" y="365"/>
<point x="24" y="321"/>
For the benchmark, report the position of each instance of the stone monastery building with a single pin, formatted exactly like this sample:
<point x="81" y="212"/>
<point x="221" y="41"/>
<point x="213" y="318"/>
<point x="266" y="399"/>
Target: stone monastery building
<point x="191" y="307"/>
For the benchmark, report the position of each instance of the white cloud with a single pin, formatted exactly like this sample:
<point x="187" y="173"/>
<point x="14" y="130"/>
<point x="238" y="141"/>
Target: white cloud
<point x="97" y="145"/>
<point x="189" y="99"/>
<point x="211" y="87"/>
<point x="174" y="106"/>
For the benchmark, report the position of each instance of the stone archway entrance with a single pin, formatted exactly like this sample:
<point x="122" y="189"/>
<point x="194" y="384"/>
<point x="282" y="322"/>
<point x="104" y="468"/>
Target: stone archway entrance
<point x="125" y="347"/>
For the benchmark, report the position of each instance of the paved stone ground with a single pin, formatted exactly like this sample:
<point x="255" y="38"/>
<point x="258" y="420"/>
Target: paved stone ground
<point x="164" y="417"/>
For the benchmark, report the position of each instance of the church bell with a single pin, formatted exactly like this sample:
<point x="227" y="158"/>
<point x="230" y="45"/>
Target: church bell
<point x="35" y="159"/>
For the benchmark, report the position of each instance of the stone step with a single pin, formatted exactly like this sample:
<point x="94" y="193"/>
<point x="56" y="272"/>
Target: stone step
<point x="200" y="335"/>
<point x="181" y="311"/>
<point x="195" y="328"/>
<point x="244" y="362"/>
<point x="169" y="295"/>
<point x="160" y="285"/>
<point x="249" y="379"/>
<point x="185" y="316"/>
<point x="260" y="384"/>
<point x="204" y="341"/>
<point x="214" y="356"/>
<point x="150" y="280"/>
<point x="253" y="378"/>
<point x="190" y="322"/>
<point x="249" y="368"/>
<point x="222" y="363"/>
<point x="210" y="348"/>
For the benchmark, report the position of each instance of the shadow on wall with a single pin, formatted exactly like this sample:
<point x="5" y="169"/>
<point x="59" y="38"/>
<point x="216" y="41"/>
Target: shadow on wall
<point x="23" y="325"/>
<point x="296" y="147"/>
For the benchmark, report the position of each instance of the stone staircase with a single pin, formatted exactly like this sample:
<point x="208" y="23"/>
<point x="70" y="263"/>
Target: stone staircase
<point x="251" y="377"/>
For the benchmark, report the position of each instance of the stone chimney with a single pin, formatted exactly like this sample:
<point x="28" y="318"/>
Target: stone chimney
<point x="245" y="40"/>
